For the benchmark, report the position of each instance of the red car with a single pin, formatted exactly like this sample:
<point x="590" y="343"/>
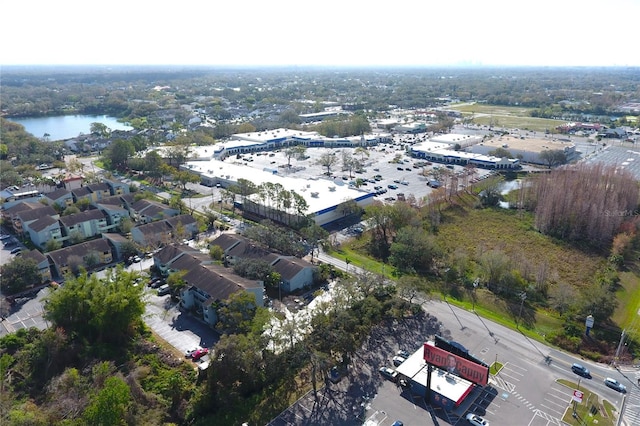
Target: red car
<point x="196" y="355"/>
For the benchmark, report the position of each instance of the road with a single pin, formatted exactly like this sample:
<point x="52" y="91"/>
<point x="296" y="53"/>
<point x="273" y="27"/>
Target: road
<point x="526" y="388"/>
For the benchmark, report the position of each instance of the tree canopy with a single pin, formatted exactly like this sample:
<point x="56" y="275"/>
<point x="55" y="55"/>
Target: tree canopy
<point x="101" y="311"/>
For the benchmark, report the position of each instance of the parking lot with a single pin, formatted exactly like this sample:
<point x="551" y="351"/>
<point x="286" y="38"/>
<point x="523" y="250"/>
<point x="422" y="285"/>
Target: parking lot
<point x="388" y="166"/>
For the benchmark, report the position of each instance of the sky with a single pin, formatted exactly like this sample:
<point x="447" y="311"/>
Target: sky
<point x="325" y="33"/>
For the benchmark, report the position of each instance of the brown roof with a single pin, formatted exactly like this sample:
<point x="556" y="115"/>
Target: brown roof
<point x="85" y="216"/>
<point x="21" y="206"/>
<point x="35" y="255"/>
<point x="80" y="192"/>
<point x="57" y="194"/>
<point x="95" y="187"/>
<point x="42" y="223"/>
<point x="170" y="252"/>
<point x="36" y="213"/>
<point x="216" y="281"/>
<point x="250" y="250"/>
<point x="184" y="219"/>
<point x="226" y="241"/>
<point x="289" y="266"/>
<point x="60" y="257"/>
<point x="114" y="200"/>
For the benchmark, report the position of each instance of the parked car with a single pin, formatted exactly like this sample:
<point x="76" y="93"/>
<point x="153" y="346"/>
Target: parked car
<point x="580" y="370"/>
<point x="164" y="289"/>
<point x="404" y="354"/>
<point x="615" y="385"/>
<point x="158" y="282"/>
<point x="199" y="353"/>
<point x="397" y="423"/>
<point x="189" y="353"/>
<point x="476" y="420"/>
<point x="389" y="373"/>
<point x="392" y="186"/>
<point x="397" y="360"/>
<point x="16" y="250"/>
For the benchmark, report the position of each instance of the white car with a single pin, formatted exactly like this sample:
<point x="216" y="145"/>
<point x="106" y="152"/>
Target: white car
<point x="476" y="420"/>
<point x="615" y="385"/>
<point x="397" y="360"/>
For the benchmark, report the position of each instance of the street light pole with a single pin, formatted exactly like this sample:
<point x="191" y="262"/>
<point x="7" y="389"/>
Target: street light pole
<point x="523" y="297"/>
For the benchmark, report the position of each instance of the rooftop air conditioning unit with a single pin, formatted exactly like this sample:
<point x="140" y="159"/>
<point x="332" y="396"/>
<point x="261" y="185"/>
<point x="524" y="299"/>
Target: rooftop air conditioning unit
<point x="314" y="194"/>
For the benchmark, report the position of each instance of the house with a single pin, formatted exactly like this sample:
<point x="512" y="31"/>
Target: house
<point x="89" y="255"/>
<point x="188" y="223"/>
<point x="295" y="273"/>
<point x="9" y="211"/>
<point x="31" y="214"/>
<point x="208" y="286"/>
<point x="114" y="209"/>
<point x="117" y="243"/>
<point x="84" y="225"/>
<point x="63" y="198"/>
<point x="163" y="259"/>
<point x="82" y="193"/>
<point x="153" y="235"/>
<point x="41" y="262"/>
<point x="42" y="230"/>
<point x="99" y="191"/>
<point x="117" y="187"/>
<point x="146" y="211"/>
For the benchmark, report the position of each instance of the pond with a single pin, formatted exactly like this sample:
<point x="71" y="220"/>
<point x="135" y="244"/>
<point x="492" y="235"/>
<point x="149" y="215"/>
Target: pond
<point x="67" y="126"/>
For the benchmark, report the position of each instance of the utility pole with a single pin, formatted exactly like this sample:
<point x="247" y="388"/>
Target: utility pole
<point x="622" y="337"/>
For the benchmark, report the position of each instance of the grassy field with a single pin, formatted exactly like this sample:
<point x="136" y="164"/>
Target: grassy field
<point x="475" y="231"/>
<point x="508" y="117"/>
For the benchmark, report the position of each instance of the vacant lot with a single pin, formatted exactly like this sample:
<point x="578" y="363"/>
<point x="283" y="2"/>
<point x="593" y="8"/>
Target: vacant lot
<point x="507" y="117"/>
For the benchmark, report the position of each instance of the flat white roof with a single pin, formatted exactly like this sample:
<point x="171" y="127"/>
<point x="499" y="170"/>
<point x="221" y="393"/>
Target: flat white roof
<point x="319" y="193"/>
<point x="268" y="135"/>
<point x="444" y="149"/>
<point x="454" y="138"/>
<point x="448" y="385"/>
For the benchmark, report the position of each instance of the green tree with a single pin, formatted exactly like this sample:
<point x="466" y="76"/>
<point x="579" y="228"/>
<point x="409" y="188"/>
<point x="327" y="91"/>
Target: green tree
<point x="118" y="154"/>
<point x="501" y="153"/>
<point x="99" y="129"/>
<point x="236" y="314"/>
<point x="107" y="310"/>
<point x="184" y="177"/>
<point x="216" y="252"/>
<point x="52" y="245"/>
<point x="176" y="282"/>
<point x="553" y="157"/>
<point x="109" y="406"/>
<point x="19" y="274"/>
<point x="413" y="250"/>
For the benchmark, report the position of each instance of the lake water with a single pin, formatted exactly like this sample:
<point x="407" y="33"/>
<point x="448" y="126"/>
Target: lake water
<point x="67" y="126"/>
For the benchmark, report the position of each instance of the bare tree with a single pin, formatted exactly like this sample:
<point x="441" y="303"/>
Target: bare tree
<point x="584" y="202"/>
<point x="328" y="160"/>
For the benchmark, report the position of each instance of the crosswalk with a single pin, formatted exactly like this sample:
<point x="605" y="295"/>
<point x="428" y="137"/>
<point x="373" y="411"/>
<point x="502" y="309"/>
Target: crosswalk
<point x="631" y="412"/>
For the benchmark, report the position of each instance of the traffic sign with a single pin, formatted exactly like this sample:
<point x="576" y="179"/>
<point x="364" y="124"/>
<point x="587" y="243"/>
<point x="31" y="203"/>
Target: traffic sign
<point x="577" y="396"/>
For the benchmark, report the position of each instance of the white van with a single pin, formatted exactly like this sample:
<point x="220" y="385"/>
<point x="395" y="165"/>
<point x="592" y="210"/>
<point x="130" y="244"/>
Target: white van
<point x="164" y="289"/>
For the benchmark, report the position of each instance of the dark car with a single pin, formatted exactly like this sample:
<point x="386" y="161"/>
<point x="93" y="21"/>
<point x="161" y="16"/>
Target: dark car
<point x="16" y="250"/>
<point x="392" y="186"/>
<point x="580" y="370"/>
